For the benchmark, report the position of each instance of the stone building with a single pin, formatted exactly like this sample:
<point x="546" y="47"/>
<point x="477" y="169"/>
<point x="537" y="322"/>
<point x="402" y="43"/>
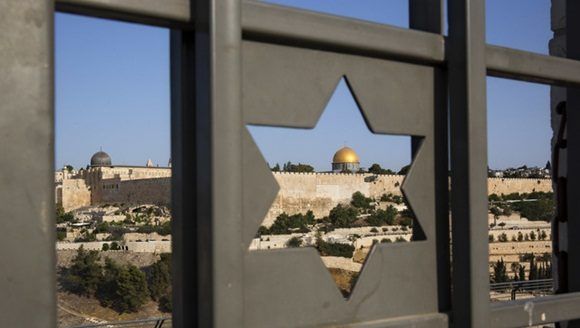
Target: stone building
<point x="102" y="182"/>
<point x="345" y="159"/>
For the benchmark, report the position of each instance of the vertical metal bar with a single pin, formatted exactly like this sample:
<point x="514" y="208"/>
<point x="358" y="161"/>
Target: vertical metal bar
<point x="427" y="15"/>
<point x="27" y="256"/>
<point x="573" y="153"/>
<point x="184" y="181"/>
<point x="467" y="87"/>
<point x="207" y="136"/>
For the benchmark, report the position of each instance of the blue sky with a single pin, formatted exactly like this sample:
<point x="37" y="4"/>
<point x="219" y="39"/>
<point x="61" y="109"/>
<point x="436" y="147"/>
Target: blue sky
<point x="112" y="91"/>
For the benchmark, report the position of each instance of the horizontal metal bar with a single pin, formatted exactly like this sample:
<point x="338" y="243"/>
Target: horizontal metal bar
<point x="535" y="311"/>
<point x="168" y="13"/>
<point x="299" y="27"/>
<point x="531" y="67"/>
<point x="280" y="24"/>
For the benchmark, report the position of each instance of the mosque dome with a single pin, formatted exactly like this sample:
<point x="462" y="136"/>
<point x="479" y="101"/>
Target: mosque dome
<point x="101" y="158"/>
<point x="345" y="155"/>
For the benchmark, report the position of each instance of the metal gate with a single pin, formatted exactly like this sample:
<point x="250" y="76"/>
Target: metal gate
<point x="227" y="60"/>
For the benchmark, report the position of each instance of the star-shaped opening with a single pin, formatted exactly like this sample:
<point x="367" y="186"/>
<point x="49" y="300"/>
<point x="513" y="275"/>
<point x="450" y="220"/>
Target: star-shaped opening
<point x="340" y="188"/>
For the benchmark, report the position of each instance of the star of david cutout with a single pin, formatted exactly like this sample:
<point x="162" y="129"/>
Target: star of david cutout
<point x="345" y="211"/>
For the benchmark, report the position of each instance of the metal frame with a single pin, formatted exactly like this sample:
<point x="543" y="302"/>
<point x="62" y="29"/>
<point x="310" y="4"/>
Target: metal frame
<point x="207" y="45"/>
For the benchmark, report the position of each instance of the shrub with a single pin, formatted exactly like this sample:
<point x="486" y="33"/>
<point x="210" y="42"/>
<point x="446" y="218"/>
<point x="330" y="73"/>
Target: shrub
<point x="382" y="217"/>
<point x="386" y="240"/>
<point x="60" y="235"/>
<point x="285" y="224"/>
<point x="491" y="238"/>
<point x="400" y="240"/>
<point x="105" y="247"/>
<point x="165" y="303"/>
<point x="502" y="238"/>
<point x="115" y="246"/>
<point x="334" y="249"/>
<point x="374" y="230"/>
<point x="294" y="242"/>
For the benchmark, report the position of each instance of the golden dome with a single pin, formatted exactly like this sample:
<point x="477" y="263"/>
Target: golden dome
<point x="345" y="155"/>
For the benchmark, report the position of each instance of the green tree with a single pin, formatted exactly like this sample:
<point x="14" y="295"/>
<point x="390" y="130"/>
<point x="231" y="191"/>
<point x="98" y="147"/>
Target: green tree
<point x="123" y="288"/>
<point x="276" y="168"/>
<point x="543" y="235"/>
<point x="159" y="277"/>
<point x="62" y="216"/>
<point x="105" y="247"/>
<point x="343" y="216"/>
<point x="491" y="238"/>
<point x="289" y="167"/>
<point x="359" y="200"/>
<point x="499" y="272"/>
<point x="533" y="275"/>
<point x="522" y="272"/>
<point x="285" y="224"/>
<point x="84" y="274"/>
<point x="532" y="236"/>
<point x="520" y="236"/>
<point x="404" y="170"/>
<point x="377" y="169"/>
<point x="382" y="217"/>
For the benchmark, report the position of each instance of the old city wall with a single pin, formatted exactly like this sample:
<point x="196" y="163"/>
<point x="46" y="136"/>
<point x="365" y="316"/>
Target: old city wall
<point x="134" y="172"/>
<point x="320" y="192"/>
<point x="143" y="191"/>
<point x="73" y="193"/>
<point x="506" y="186"/>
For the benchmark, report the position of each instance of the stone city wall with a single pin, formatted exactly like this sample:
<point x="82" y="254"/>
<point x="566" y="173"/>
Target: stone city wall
<point x="506" y="186"/>
<point x="132" y="246"/>
<point x="73" y="194"/>
<point x="134" y="172"/>
<point x="144" y="191"/>
<point x="320" y="192"/>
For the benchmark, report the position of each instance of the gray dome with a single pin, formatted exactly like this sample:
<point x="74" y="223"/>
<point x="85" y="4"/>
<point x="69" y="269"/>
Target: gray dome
<point x="101" y="158"/>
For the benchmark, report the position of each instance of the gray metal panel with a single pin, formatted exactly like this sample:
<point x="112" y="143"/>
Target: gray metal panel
<point x="467" y="89"/>
<point x="531" y="67"/>
<point x="27" y="256"/>
<point x="259" y="188"/>
<point x="282" y="283"/>
<point x="284" y="91"/>
<point x="535" y="311"/>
